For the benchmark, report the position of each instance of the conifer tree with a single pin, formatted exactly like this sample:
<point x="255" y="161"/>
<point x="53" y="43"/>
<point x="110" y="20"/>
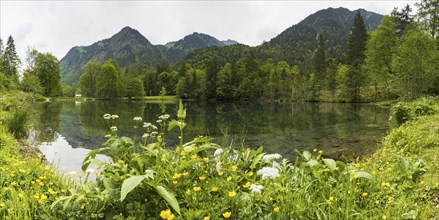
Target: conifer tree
<point x="357" y="40"/>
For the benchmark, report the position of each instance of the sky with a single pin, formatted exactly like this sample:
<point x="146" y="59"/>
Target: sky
<point x="57" y="26"/>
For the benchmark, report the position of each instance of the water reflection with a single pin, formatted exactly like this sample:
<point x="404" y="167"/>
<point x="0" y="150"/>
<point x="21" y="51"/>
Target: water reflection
<point x="341" y="130"/>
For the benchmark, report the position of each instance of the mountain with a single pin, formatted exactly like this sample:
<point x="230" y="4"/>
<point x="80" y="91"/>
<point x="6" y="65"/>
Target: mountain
<point x="128" y="47"/>
<point x="177" y="50"/>
<point x="295" y="43"/>
<point x="131" y="48"/>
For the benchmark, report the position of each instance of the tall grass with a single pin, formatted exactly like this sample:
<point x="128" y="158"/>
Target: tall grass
<point x="17" y="123"/>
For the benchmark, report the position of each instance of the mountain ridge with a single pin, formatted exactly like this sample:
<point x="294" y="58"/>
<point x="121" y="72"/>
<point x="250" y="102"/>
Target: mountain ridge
<point x="130" y="48"/>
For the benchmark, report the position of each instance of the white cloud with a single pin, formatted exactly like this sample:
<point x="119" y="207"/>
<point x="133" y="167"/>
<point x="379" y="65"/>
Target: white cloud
<point x="59" y="25"/>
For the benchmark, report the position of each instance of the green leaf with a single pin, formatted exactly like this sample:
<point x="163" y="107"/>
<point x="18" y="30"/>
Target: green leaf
<point x="307" y="155"/>
<point x="172" y="124"/>
<point x="129" y="184"/>
<point x="330" y="163"/>
<point x="90" y="157"/>
<point x="169" y="197"/>
<point x="205" y="147"/>
<point x="312" y="163"/>
<point x="364" y="175"/>
<point x="256" y="161"/>
<point x="189" y="163"/>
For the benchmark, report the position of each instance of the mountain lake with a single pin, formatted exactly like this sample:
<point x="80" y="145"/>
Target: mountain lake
<point x="66" y="131"/>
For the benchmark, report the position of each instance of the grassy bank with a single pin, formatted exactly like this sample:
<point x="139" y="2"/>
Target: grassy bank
<point x="201" y="180"/>
<point x="27" y="186"/>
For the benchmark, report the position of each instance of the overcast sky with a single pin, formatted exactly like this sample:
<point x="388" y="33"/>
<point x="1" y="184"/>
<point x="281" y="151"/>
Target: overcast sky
<point x="57" y="26"/>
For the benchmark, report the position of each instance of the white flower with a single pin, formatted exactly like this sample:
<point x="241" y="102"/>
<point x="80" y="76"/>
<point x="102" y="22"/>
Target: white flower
<point x="154" y="127"/>
<point x="188" y="148"/>
<point x="145" y="135"/>
<point x="154" y="133"/>
<point x="164" y="117"/>
<point x="108" y="136"/>
<point x="72" y="173"/>
<point x="256" y="188"/>
<point x="271" y="157"/>
<point x="268" y="172"/>
<point x="275" y="164"/>
<point x="218" y="167"/>
<point x="147" y="124"/>
<point x="107" y="116"/>
<point x="113" y="128"/>
<point x="90" y="171"/>
<point x="218" y="152"/>
<point x="159" y="121"/>
<point x="137" y="119"/>
<point x="114" y="116"/>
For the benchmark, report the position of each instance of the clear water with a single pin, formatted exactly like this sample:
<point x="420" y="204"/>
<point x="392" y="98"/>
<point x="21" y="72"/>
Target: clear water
<point x="67" y="130"/>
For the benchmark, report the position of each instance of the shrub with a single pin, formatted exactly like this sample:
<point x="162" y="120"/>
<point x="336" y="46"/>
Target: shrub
<point x="17" y="123"/>
<point x="403" y="112"/>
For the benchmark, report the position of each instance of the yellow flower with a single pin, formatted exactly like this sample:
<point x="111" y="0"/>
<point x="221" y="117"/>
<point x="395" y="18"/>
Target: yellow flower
<point x="247" y="185"/>
<point x="377" y="202"/>
<point x="51" y="192"/>
<point x="6" y="188"/>
<point x="165" y="214"/>
<point x="364" y="194"/>
<point x="197" y="188"/>
<point x="331" y="198"/>
<point x="384" y="217"/>
<point x="176" y="176"/>
<point x="320" y="152"/>
<point x="20" y="195"/>
<point x="276" y="209"/>
<point x="22" y="171"/>
<point x="41" y="184"/>
<point x="202" y="178"/>
<point x="315" y="150"/>
<point x="175" y="182"/>
<point x="234" y="168"/>
<point x="220" y="173"/>
<point x="206" y="159"/>
<point x="13" y="183"/>
<point x="227" y="214"/>
<point x="36" y="197"/>
<point x="185" y="173"/>
<point x="250" y="173"/>
<point x="229" y="179"/>
<point x="121" y="162"/>
<point x="2" y="204"/>
<point x="194" y="156"/>
<point x="214" y="189"/>
<point x="206" y="218"/>
<point x="232" y="194"/>
<point x="63" y="190"/>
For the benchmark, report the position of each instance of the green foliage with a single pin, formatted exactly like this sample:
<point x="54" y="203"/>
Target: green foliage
<point x="48" y="71"/>
<point x="428" y="14"/>
<point x="31" y="83"/>
<point x="415" y="64"/>
<point x="108" y="83"/>
<point x="380" y="52"/>
<point x="68" y="91"/>
<point x="17" y="123"/>
<point x="28" y="187"/>
<point x="87" y="82"/>
<point x="403" y="112"/>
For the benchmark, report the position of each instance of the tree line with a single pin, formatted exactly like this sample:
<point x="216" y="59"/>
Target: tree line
<point x="398" y="60"/>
